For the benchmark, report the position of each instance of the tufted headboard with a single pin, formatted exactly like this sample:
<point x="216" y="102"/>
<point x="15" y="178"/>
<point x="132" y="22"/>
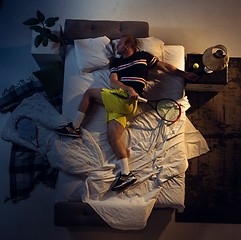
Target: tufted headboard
<point x="79" y="29"/>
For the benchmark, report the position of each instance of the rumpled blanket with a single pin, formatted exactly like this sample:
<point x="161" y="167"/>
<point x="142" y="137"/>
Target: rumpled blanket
<point x="157" y="153"/>
<point x="27" y="167"/>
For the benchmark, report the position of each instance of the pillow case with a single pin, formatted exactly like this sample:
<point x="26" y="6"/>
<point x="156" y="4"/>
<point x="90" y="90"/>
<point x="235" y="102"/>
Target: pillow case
<point x="114" y="44"/>
<point x="150" y="44"/>
<point x="92" y="53"/>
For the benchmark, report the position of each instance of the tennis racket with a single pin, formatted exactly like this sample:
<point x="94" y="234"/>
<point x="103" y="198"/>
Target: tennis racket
<point x="168" y="109"/>
<point x="28" y="131"/>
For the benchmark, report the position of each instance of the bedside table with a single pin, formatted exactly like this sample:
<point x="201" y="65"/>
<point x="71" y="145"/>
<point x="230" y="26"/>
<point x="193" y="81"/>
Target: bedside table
<point x="45" y="56"/>
<point x="207" y="82"/>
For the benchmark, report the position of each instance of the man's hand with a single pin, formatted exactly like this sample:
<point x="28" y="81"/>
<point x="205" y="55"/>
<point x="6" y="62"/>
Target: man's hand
<point x="192" y="76"/>
<point x="132" y="93"/>
<point x="116" y="84"/>
<point x="173" y="71"/>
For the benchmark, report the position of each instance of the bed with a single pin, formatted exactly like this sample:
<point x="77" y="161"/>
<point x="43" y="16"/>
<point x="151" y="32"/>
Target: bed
<point x="159" y="152"/>
<point x="71" y="208"/>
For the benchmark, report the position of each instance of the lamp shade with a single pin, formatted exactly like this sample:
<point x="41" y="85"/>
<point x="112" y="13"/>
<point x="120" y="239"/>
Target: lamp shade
<point x="216" y="58"/>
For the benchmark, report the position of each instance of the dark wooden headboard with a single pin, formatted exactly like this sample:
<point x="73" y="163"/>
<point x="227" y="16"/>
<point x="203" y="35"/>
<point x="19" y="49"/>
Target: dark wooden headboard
<point x="79" y="29"/>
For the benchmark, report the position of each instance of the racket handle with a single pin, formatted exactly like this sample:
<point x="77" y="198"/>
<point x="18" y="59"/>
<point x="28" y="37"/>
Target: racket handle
<point x="140" y="99"/>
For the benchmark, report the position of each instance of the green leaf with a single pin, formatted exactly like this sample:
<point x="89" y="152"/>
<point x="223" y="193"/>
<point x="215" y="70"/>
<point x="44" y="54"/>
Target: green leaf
<point x="45" y="41"/>
<point x="53" y="38"/>
<point x="50" y="22"/>
<point x="31" y="21"/>
<point x="43" y="32"/>
<point x="40" y="16"/>
<point x="48" y="31"/>
<point x="36" y="29"/>
<point x="38" y="40"/>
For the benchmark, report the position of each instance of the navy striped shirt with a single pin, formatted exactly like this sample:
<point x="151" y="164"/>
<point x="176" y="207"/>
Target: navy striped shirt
<point x="132" y="71"/>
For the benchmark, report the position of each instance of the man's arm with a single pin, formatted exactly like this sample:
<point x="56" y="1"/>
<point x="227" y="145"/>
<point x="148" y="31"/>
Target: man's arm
<point x="116" y="84"/>
<point x="171" y="70"/>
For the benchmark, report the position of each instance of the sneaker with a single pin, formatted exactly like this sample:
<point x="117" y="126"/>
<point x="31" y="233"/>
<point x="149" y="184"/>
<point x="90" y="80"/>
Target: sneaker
<point x="68" y="130"/>
<point x="124" y="181"/>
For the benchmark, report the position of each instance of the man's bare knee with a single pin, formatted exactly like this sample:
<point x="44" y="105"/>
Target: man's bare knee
<point x="94" y="94"/>
<point x="90" y="96"/>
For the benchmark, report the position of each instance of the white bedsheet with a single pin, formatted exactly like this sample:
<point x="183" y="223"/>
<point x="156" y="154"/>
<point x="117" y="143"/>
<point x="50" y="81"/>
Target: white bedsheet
<point x="157" y="154"/>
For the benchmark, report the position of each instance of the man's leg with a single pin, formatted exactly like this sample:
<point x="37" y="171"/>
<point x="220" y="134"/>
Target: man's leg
<point x="90" y="96"/>
<point x="114" y="132"/>
<point x="72" y="129"/>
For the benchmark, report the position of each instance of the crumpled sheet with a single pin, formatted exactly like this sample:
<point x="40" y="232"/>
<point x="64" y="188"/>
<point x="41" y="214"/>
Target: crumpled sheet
<point x="157" y="153"/>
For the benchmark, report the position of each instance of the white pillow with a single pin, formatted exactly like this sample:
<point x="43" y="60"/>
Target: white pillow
<point x="114" y="44"/>
<point x="92" y="53"/>
<point x="150" y="44"/>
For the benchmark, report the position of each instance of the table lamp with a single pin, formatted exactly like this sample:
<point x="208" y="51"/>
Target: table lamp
<point x="215" y="58"/>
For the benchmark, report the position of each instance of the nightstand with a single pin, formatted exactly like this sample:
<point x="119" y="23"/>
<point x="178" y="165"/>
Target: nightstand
<point x="45" y="56"/>
<point x="207" y="82"/>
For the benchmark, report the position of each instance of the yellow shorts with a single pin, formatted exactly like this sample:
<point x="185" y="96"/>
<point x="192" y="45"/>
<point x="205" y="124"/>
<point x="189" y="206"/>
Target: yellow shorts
<point x="118" y="105"/>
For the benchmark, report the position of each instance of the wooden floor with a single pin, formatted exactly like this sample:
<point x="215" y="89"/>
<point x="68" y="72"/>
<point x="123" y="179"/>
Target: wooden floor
<point x="213" y="181"/>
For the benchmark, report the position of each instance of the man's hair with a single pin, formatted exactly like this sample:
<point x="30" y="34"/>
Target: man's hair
<point x="131" y="40"/>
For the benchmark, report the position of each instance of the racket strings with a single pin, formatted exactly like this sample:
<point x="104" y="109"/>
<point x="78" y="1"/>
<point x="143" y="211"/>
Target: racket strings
<point x="27" y="130"/>
<point x="169" y="110"/>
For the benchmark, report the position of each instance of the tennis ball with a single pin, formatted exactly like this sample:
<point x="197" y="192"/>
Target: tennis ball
<point x="195" y="66"/>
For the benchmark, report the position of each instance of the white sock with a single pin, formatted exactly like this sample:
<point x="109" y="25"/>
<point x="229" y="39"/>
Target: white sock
<point x="78" y="119"/>
<point x="124" y="166"/>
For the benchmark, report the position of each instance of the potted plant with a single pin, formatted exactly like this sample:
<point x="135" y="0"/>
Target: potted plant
<point x="41" y="26"/>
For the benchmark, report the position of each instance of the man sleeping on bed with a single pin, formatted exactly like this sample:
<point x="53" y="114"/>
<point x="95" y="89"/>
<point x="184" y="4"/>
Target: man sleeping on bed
<point x="127" y="80"/>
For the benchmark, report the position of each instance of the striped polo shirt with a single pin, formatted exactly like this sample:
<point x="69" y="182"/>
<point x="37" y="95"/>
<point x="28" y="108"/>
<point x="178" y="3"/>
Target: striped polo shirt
<point x="132" y="71"/>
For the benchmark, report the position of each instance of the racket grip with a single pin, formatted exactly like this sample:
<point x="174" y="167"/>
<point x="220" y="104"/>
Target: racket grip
<point x="140" y="99"/>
